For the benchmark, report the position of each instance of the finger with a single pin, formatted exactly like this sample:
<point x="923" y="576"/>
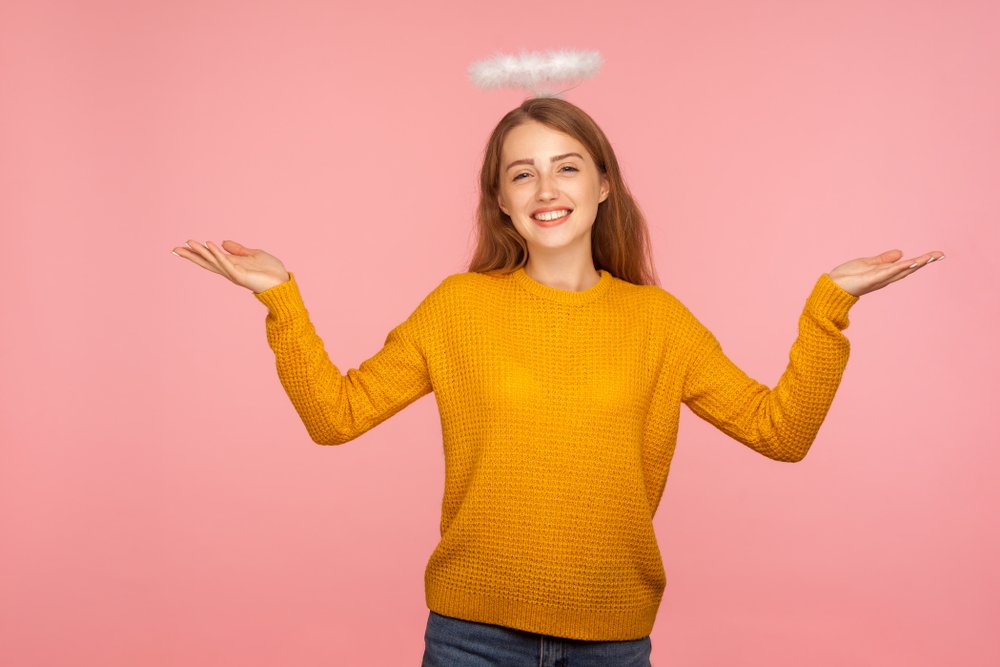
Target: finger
<point x="880" y="261"/>
<point x="889" y="256"/>
<point x="891" y="269"/>
<point x="936" y="255"/>
<point x="230" y="248"/>
<point x="924" y="260"/>
<point x="220" y="258"/>
<point x="912" y="266"/>
<point x="902" y="274"/>
<point x="903" y="268"/>
<point x="205" y="254"/>
<point x="223" y="258"/>
<point x="189" y="254"/>
<point x="234" y="248"/>
<point x="900" y="264"/>
<point x="890" y="273"/>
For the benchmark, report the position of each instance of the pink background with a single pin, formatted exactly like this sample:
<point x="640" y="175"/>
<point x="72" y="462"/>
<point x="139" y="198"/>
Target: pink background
<point x="161" y="504"/>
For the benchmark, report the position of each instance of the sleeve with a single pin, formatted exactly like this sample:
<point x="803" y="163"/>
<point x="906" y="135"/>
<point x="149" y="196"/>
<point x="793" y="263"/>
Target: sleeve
<point x="780" y="423"/>
<point x="336" y="408"/>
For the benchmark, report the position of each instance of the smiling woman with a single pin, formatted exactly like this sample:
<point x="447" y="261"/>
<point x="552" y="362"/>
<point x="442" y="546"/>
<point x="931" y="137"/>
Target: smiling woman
<point x="559" y="368"/>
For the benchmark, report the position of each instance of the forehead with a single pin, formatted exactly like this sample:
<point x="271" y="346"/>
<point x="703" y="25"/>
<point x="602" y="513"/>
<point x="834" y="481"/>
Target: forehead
<point x="531" y="139"/>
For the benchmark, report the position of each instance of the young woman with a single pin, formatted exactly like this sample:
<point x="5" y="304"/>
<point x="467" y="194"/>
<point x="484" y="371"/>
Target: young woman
<point x="559" y="368"/>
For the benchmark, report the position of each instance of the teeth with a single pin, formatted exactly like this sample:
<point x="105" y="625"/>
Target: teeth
<point x="551" y="215"/>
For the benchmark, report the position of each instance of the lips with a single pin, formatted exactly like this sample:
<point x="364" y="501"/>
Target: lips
<point x="552" y="223"/>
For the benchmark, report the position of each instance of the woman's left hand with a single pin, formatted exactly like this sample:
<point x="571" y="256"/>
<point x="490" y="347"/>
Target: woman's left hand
<point x="867" y="274"/>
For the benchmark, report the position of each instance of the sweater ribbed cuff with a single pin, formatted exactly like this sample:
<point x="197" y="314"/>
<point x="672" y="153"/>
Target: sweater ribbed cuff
<point x="832" y="300"/>
<point x="283" y="301"/>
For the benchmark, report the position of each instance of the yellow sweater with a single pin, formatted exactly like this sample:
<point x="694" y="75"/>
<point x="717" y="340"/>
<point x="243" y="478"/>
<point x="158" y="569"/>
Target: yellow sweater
<point x="559" y="414"/>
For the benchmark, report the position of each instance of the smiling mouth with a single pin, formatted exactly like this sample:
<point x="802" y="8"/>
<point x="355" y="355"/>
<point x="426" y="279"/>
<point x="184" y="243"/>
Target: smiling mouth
<point x="551" y="218"/>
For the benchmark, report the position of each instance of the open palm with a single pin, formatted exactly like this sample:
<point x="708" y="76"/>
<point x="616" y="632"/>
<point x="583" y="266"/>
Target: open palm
<point x="867" y="274"/>
<point x="247" y="267"/>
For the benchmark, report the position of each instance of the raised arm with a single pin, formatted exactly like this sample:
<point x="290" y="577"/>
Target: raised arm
<point x="335" y="407"/>
<point x="780" y="423"/>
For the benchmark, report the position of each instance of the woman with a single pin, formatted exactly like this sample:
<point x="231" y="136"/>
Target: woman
<point x="559" y="368"/>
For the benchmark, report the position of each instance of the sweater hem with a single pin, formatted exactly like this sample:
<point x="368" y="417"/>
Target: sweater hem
<point x="546" y="619"/>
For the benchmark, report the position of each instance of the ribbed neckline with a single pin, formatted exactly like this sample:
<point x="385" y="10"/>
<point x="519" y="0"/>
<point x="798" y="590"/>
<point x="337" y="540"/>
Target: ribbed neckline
<point x="568" y="297"/>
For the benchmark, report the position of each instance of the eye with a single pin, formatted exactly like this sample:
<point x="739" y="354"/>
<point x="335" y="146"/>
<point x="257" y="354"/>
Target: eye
<point x="565" y="166"/>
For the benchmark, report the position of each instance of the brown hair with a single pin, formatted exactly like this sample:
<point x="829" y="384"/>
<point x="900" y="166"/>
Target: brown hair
<point x="620" y="240"/>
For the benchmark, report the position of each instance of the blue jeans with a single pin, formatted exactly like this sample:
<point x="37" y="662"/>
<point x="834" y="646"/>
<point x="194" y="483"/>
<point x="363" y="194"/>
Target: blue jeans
<point x="453" y="642"/>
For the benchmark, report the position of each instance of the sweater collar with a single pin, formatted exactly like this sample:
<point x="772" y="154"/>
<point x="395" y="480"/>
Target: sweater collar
<point x="568" y="297"/>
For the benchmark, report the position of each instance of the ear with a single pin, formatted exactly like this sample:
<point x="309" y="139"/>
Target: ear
<point x="605" y="189"/>
<point x="500" y="203"/>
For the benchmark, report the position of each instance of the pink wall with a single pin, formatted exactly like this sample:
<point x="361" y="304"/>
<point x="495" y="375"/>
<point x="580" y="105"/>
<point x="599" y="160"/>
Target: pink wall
<point x="161" y="504"/>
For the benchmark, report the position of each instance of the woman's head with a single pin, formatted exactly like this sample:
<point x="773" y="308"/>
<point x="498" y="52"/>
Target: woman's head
<point x="589" y="183"/>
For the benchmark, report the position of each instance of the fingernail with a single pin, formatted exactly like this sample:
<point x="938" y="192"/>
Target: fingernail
<point x="174" y="253"/>
<point x="914" y="264"/>
<point x="940" y="258"/>
<point x="930" y="260"/>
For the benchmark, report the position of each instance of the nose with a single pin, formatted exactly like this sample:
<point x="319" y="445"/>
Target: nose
<point x="547" y="189"/>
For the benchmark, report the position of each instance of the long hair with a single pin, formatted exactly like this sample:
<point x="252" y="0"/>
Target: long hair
<point x="620" y="240"/>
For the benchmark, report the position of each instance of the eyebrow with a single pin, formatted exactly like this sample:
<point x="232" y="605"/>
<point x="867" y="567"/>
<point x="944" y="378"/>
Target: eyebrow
<point x="553" y="159"/>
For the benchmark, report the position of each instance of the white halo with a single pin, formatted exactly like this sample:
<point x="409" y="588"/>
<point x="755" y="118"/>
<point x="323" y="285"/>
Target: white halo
<point x="534" y="70"/>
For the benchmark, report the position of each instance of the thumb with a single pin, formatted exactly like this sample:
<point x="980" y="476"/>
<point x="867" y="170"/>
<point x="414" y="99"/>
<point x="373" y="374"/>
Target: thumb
<point x="235" y="248"/>
<point x="890" y="255"/>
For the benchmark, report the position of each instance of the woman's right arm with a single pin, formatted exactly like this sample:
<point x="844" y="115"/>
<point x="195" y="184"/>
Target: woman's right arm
<point x="335" y="407"/>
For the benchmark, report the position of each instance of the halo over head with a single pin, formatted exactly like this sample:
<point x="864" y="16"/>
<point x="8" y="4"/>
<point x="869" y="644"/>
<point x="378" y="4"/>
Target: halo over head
<point x="537" y="72"/>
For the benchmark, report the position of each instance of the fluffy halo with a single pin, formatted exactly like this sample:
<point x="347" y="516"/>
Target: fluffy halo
<point x="534" y="70"/>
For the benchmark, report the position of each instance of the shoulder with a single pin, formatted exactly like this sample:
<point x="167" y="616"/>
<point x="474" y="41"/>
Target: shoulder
<point x="652" y="297"/>
<point x="473" y="279"/>
<point x="458" y="284"/>
<point x="469" y="284"/>
<point x="465" y="280"/>
<point x="670" y="315"/>
<point x="454" y="292"/>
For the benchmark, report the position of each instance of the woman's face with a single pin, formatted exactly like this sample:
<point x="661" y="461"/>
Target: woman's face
<point x="542" y="169"/>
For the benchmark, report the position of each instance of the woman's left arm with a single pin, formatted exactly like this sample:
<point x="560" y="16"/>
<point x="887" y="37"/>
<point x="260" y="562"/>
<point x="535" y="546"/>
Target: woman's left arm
<point x="782" y="423"/>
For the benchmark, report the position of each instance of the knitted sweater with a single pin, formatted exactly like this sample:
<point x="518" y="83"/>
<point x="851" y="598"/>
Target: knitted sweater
<point x="559" y="414"/>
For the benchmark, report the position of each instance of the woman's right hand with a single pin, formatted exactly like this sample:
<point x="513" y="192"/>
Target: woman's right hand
<point x="247" y="267"/>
